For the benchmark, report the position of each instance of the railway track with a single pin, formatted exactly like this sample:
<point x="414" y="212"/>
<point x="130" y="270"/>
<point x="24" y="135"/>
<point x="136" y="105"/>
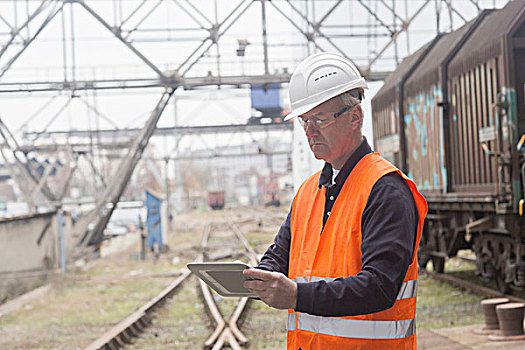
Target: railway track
<point x="226" y="331"/>
<point x="216" y="244"/>
<point x="471" y="286"/>
<point x="270" y="216"/>
<point x="133" y="325"/>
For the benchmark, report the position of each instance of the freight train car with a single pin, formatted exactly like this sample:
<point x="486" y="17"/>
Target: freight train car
<point x="216" y="199"/>
<point x="452" y="117"/>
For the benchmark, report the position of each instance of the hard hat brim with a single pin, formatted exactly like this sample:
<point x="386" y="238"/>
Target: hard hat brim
<point x="303" y="107"/>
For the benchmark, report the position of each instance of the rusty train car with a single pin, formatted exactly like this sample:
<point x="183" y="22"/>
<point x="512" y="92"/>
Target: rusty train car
<point x="452" y="117"/>
<point x="216" y="199"/>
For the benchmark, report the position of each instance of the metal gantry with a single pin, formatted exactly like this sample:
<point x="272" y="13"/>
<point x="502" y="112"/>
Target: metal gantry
<point x="78" y="55"/>
<point x="308" y="26"/>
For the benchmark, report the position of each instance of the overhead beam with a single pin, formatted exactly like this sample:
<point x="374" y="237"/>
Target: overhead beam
<point x="28" y="42"/>
<point x="404" y="27"/>
<point x="75" y="147"/>
<point x="25" y="165"/>
<point x="16" y="31"/>
<point x="216" y="32"/>
<point x="165" y="131"/>
<point x="186" y="83"/>
<point x="223" y="155"/>
<point x="116" y="32"/>
<point x="116" y="187"/>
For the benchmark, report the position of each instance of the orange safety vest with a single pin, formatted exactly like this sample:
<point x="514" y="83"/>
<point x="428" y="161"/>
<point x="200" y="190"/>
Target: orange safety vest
<point x="337" y="253"/>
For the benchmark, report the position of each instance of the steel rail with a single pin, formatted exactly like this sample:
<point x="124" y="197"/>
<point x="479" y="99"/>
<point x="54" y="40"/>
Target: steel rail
<point x="252" y="255"/>
<point x="134" y="324"/>
<point x="225" y="331"/>
<point x="218" y="318"/>
<point x="472" y="287"/>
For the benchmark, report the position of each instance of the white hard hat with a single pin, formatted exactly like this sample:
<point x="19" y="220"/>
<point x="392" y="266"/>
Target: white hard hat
<point x="320" y="77"/>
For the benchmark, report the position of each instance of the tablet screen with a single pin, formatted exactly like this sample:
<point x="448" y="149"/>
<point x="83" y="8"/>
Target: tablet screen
<point x="231" y="280"/>
<point x="225" y="278"/>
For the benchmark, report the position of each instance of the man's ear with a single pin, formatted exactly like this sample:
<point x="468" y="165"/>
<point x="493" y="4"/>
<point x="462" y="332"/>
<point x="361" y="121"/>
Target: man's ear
<point x="357" y="116"/>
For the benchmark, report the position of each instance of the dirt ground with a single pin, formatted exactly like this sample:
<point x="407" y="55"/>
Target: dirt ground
<point x="84" y="303"/>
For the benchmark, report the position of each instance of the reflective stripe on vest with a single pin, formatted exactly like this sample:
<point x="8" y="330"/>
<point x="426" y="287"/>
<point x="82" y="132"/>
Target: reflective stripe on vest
<point x="292" y="321"/>
<point x="341" y="327"/>
<point x="408" y="288"/>
<point x="337" y="254"/>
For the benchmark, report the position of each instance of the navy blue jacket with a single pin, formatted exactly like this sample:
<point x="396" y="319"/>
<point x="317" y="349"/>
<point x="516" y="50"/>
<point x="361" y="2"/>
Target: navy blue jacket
<point x="389" y="229"/>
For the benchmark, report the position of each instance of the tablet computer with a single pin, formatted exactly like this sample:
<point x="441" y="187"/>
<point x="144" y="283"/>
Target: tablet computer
<point x="225" y="278"/>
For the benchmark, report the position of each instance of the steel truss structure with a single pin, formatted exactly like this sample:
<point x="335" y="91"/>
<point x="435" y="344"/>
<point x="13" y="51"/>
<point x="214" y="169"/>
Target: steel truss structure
<point x="318" y="26"/>
<point x="77" y="52"/>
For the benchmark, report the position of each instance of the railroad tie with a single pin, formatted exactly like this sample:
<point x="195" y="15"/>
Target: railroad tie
<point x="491" y="318"/>
<point x="510" y="318"/>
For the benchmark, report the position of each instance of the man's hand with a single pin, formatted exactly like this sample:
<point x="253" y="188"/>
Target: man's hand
<point x="274" y="288"/>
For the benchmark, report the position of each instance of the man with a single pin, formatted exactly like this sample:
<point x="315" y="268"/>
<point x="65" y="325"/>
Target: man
<point x="345" y="260"/>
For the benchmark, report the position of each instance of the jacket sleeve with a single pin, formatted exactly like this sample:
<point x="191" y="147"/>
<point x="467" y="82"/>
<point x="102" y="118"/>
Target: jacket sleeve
<point x="277" y="255"/>
<point x="389" y="224"/>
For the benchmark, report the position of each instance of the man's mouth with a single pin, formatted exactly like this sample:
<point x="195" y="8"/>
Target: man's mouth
<point x="315" y="142"/>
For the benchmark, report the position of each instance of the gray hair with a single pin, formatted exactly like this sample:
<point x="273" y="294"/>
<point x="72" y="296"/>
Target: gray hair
<point x="353" y="97"/>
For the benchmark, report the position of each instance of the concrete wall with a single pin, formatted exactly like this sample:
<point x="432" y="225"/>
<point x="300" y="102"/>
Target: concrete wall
<point x="29" y="249"/>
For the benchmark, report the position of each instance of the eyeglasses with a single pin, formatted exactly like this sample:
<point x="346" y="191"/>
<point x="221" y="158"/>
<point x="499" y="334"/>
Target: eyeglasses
<point x="322" y="123"/>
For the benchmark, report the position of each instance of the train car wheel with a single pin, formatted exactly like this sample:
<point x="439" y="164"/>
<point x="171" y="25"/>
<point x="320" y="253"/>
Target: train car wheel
<point x="502" y="286"/>
<point x="422" y="260"/>
<point x="438" y="264"/>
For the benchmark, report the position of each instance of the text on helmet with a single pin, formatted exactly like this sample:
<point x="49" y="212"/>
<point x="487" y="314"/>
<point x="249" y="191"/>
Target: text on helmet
<point x="325" y="76"/>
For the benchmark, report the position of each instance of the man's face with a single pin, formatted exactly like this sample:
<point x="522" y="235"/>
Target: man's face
<point x="335" y="142"/>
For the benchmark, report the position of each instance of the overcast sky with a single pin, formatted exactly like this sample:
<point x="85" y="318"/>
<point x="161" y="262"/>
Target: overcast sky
<point x="98" y="54"/>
